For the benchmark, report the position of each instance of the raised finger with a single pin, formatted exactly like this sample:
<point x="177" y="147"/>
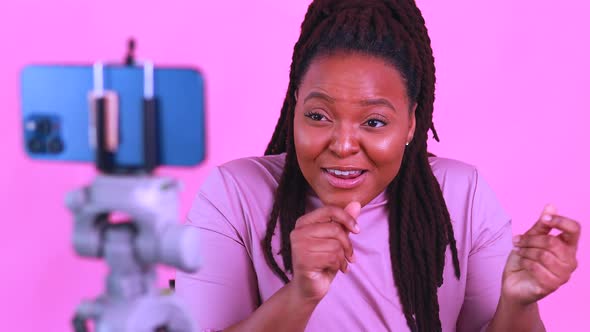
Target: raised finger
<point x="570" y="228"/>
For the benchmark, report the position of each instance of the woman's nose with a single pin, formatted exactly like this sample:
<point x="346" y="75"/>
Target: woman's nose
<point x="344" y="141"/>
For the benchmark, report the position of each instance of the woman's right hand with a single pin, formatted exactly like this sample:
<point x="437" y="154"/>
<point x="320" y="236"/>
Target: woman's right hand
<point x="320" y="247"/>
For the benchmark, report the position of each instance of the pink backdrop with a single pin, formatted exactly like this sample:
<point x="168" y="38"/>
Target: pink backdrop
<point x="513" y="80"/>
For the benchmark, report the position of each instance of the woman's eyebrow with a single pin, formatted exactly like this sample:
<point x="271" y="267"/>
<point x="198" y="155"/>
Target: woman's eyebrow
<point x="320" y="95"/>
<point x="377" y="102"/>
<point x="364" y="103"/>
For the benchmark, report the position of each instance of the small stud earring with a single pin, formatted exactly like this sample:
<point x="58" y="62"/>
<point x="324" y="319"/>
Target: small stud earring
<point x="407" y="143"/>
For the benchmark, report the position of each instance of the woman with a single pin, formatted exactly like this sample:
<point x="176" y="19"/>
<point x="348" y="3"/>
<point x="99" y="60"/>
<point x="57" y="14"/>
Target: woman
<point x="348" y="223"/>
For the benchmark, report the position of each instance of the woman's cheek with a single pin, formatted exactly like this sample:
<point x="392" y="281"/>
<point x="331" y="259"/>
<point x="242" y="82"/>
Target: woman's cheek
<point x="310" y="140"/>
<point x="383" y="146"/>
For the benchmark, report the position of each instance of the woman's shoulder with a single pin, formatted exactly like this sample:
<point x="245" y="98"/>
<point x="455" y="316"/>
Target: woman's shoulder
<point x="240" y="190"/>
<point x="248" y="178"/>
<point x="459" y="180"/>
<point x="236" y="198"/>
<point x="457" y="177"/>
<point x="452" y="170"/>
<point x="255" y="168"/>
<point x="468" y="195"/>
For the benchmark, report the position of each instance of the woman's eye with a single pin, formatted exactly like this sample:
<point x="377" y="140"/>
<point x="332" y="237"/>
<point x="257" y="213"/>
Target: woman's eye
<point x="374" y="123"/>
<point x="315" y="116"/>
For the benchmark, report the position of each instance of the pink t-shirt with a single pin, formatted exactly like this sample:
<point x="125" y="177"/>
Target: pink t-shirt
<point x="231" y="211"/>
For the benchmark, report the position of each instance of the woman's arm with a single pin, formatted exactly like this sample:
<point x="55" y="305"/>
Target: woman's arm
<point x="284" y="311"/>
<point x="489" y="243"/>
<point x="512" y="316"/>
<point x="224" y="290"/>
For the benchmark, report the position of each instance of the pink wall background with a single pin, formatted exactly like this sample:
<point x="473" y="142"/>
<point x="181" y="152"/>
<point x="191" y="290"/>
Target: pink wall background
<point x="513" y="81"/>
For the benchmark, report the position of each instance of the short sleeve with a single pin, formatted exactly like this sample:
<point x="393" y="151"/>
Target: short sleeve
<point x="491" y="244"/>
<point x="224" y="290"/>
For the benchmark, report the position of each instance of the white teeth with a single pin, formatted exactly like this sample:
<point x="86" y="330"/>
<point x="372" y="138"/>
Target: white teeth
<point x="343" y="173"/>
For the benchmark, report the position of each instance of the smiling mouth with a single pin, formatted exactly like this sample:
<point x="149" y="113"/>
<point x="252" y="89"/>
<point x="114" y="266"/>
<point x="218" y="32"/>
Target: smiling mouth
<point x="344" y="174"/>
<point x="346" y="179"/>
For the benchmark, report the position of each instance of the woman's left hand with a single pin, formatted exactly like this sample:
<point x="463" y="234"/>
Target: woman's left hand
<point x="541" y="262"/>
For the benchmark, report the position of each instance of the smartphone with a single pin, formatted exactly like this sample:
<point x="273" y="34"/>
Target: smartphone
<point x="57" y="113"/>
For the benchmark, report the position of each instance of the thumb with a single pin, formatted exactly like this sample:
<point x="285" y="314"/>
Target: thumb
<point x="354" y="209"/>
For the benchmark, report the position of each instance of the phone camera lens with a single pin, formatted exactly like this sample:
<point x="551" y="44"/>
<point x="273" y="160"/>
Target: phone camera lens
<point x="43" y="127"/>
<point x="55" y="145"/>
<point x="35" y="145"/>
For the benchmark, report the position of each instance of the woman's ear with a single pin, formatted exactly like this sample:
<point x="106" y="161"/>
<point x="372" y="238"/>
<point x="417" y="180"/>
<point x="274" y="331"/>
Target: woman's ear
<point x="412" y="123"/>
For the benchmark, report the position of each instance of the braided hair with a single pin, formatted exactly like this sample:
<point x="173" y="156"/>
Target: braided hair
<point x="420" y="228"/>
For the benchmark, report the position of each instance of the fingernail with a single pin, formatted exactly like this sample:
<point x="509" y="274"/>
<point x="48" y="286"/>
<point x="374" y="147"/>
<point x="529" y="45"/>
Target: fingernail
<point x="546" y="218"/>
<point x="353" y="258"/>
<point x="357" y="228"/>
<point x="516" y="239"/>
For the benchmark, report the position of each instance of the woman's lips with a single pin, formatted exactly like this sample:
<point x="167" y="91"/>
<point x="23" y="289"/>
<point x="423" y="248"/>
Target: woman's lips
<point x="344" y="178"/>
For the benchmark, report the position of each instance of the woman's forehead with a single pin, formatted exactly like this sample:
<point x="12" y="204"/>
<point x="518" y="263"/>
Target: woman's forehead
<point x="355" y="74"/>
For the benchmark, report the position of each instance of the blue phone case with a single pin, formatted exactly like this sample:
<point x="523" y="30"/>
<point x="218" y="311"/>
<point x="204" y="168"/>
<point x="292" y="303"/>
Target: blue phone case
<point x="55" y="113"/>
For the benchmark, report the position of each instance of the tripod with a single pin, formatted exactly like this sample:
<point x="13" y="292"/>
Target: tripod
<point x="131" y="248"/>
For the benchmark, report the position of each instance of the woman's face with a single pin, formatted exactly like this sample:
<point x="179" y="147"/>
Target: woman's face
<point x="352" y="121"/>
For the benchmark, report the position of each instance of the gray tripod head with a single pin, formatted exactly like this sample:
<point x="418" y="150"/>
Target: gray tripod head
<point x="131" y="300"/>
